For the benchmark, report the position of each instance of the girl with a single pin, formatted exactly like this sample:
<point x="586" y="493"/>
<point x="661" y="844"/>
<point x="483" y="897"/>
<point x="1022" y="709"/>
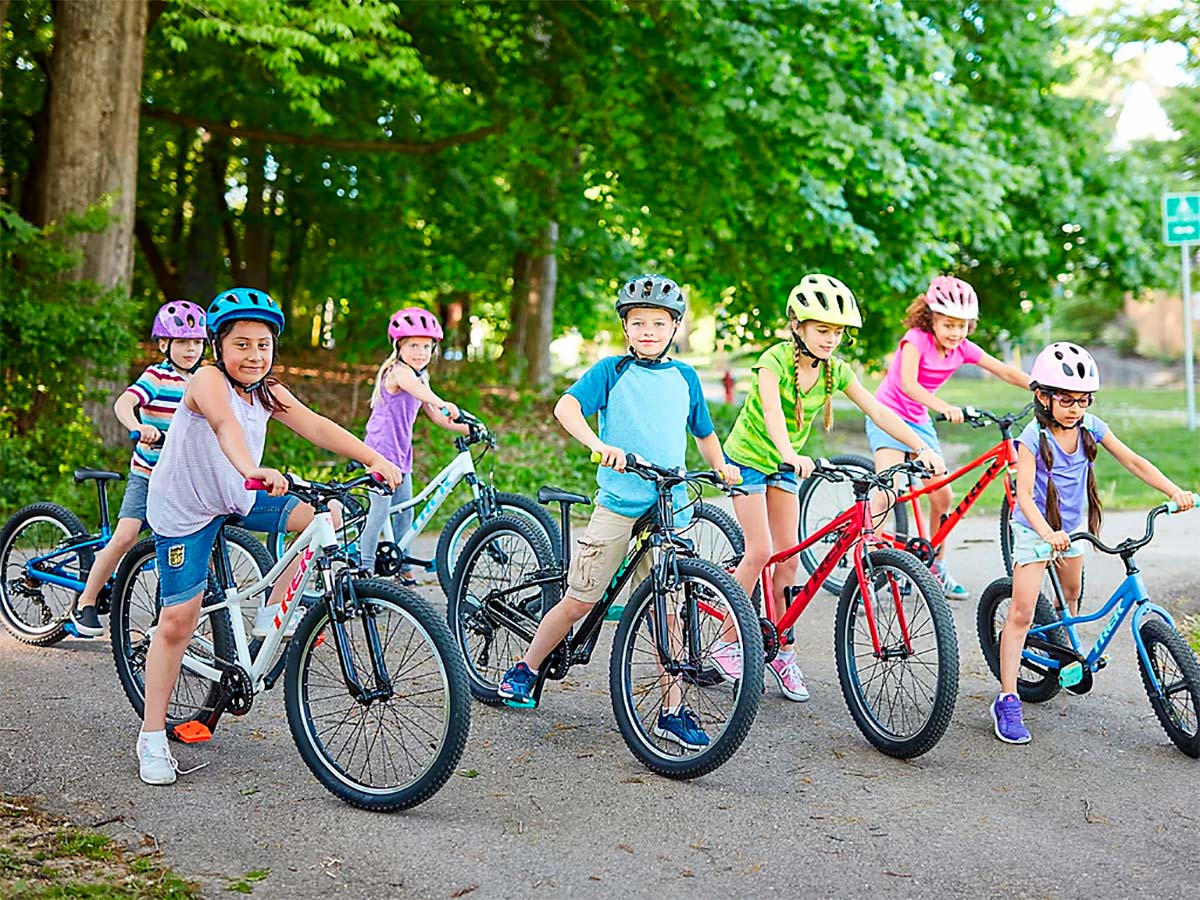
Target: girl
<point x="401" y="390"/>
<point x="214" y="444"/>
<point x="932" y="349"/>
<point x="1055" y="453"/>
<point x="793" y="380"/>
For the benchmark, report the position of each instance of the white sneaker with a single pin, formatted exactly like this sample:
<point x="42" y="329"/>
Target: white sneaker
<point x="264" y="621"/>
<point x="155" y="762"/>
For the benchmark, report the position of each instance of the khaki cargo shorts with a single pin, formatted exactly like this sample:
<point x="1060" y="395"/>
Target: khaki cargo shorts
<point x="599" y="554"/>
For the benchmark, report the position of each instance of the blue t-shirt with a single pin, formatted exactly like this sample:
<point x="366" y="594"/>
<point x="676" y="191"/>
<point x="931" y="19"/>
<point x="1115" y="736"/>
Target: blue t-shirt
<point x="1070" y="474"/>
<point x="646" y="410"/>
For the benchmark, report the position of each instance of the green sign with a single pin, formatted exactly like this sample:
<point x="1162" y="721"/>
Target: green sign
<point x="1181" y="218"/>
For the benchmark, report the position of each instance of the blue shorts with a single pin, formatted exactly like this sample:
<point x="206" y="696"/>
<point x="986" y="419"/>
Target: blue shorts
<point x="133" y="504"/>
<point x="756" y="482"/>
<point x="183" y="561"/>
<point x="1029" y="548"/>
<point x="881" y="440"/>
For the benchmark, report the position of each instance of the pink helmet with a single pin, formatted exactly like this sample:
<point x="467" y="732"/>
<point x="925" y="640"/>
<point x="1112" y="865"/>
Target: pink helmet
<point x="1065" y="366"/>
<point x="952" y="297"/>
<point x="181" y="320"/>
<point x="412" y="321"/>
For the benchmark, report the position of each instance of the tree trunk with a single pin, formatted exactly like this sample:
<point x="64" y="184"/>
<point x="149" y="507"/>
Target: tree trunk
<point x="539" y="322"/>
<point x="93" y="96"/>
<point x="518" y="315"/>
<point x="256" y="265"/>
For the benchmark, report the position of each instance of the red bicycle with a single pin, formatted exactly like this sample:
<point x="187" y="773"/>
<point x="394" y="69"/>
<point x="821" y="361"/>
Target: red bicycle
<point x="821" y="501"/>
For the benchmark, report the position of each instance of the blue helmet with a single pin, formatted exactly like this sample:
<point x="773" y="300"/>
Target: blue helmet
<point x="244" y="303"/>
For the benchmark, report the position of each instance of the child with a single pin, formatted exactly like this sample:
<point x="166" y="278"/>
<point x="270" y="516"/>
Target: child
<point x="215" y="443"/>
<point x="647" y="404"/>
<point x="932" y="349"/>
<point x="1055" y="454"/>
<point x="145" y="407"/>
<point x="401" y="390"/>
<point x="793" y="381"/>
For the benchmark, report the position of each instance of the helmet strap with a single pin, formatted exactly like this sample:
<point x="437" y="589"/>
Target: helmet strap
<point x="816" y="360"/>
<point x="176" y="366"/>
<point x="414" y="369"/>
<point x="632" y="357"/>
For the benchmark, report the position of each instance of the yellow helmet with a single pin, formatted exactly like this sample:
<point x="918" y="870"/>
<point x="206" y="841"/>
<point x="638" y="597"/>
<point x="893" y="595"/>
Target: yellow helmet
<point x="823" y="299"/>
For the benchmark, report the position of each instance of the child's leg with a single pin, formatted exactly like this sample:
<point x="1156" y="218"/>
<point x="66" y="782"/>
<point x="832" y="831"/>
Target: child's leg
<point x="1070" y="576"/>
<point x="885" y="457"/>
<point x="401" y="518"/>
<point x="1027" y="580"/>
<point x="939" y="505"/>
<point x="783" y="520"/>
<point x="176" y="624"/>
<point x="369" y="539"/>
<point x="751" y="513"/>
<point x="124" y="536"/>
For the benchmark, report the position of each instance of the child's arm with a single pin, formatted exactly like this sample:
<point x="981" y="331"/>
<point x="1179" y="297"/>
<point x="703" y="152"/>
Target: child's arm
<point x="329" y="435"/>
<point x="405" y="379"/>
<point x="445" y="421"/>
<point x="772" y="406"/>
<point x="1146" y="471"/>
<point x="710" y="449"/>
<point x="1003" y="371"/>
<point x="1026" y="473"/>
<point x="208" y="395"/>
<point x="570" y="415"/>
<point x="895" y="426"/>
<point x="126" y="409"/>
<point x="910" y="359"/>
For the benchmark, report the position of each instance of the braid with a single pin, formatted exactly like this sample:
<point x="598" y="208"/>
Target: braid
<point x="1095" y="512"/>
<point x="796" y="377"/>
<point x="828" y="394"/>
<point x="1053" y="513"/>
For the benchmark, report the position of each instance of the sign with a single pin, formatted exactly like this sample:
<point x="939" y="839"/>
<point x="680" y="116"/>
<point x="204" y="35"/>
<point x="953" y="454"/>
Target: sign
<point x="1181" y="218"/>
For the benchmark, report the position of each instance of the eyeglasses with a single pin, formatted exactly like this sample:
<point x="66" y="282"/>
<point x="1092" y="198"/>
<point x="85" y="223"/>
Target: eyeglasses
<point x="1081" y="402"/>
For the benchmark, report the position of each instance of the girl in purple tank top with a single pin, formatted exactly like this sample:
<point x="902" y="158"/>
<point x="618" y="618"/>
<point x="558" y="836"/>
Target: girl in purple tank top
<point x="401" y="391"/>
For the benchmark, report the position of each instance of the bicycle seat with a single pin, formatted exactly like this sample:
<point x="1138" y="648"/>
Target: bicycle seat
<point x="82" y="475"/>
<point x="554" y="495"/>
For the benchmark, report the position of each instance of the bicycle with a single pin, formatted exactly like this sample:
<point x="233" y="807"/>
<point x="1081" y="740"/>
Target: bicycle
<point x="664" y="640"/>
<point x="819" y="504"/>
<point x="908" y="643"/>
<point x="46" y="555"/>
<point x="368" y="662"/>
<point x="1053" y="657"/>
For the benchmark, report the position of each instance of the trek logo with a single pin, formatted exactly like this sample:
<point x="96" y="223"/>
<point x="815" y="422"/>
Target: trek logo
<point x="293" y="587"/>
<point x="1113" y="622"/>
<point x="978" y="488"/>
<point x="431" y="507"/>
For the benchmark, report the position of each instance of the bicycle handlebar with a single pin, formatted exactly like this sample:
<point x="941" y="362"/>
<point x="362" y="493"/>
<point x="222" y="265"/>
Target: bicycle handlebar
<point x="979" y="418"/>
<point x="137" y="438"/>
<point x="831" y="472"/>
<point x="312" y="490"/>
<point x="651" y="472"/>
<point x="1130" y="544"/>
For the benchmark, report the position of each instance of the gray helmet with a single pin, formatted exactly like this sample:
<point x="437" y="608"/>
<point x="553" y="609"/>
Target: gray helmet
<point x="655" y="291"/>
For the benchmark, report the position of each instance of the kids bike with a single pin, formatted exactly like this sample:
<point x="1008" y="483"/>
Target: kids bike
<point x="662" y="649"/>
<point x="374" y="690"/>
<point x="1054" y="658"/>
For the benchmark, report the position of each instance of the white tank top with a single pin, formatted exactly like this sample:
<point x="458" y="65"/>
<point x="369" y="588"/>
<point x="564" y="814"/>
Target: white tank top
<point x="194" y="481"/>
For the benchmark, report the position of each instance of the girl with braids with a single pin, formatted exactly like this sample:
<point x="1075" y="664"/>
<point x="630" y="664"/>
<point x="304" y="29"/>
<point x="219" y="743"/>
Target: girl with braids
<point x="934" y="347"/>
<point x="794" y="383"/>
<point x="1055" y="479"/>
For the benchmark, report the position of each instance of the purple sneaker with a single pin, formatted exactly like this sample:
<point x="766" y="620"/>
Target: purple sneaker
<point x="727" y="659"/>
<point x="1006" y="713"/>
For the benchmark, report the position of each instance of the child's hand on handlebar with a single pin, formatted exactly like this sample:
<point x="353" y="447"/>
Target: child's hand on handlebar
<point x="148" y="435"/>
<point x="1184" y="500"/>
<point x="388" y="472"/>
<point x="803" y="465"/>
<point x="610" y="456"/>
<point x="276" y="484"/>
<point x="1059" y="540"/>
<point x="952" y="413"/>
<point x="729" y="473"/>
<point x="931" y="460"/>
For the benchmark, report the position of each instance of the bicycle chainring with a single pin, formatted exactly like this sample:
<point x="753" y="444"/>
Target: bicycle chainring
<point x="239" y="690"/>
<point x="770" y="636"/>
<point x="387" y="559"/>
<point x="921" y="549"/>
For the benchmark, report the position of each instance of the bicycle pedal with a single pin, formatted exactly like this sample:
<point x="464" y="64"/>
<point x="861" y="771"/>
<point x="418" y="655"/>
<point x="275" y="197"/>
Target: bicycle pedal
<point x="1102" y="662"/>
<point x="70" y="629"/>
<point x="193" y="732"/>
<point x="1070" y="675"/>
<point x="520" y="704"/>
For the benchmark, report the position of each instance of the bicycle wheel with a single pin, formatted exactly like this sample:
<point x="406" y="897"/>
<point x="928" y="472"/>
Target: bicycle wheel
<point x="389" y="753"/>
<point x="820" y="503"/>
<point x="1006" y="550"/>
<point x="642" y="693"/>
<point x="465" y="521"/>
<point x="1178" y="672"/>
<point x="1034" y="683"/>
<point x="901" y="699"/>
<point x="501" y="556"/>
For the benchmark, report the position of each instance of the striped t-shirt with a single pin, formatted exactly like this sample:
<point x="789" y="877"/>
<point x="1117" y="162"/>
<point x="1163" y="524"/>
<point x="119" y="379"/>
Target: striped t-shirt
<point x="159" y="391"/>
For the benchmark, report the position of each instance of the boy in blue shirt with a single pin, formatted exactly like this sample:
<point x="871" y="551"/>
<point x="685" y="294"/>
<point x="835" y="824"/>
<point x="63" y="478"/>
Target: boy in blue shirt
<point x="646" y="405"/>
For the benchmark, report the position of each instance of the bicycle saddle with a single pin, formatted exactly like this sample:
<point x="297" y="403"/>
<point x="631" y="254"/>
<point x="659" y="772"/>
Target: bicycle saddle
<point x="84" y="474"/>
<point x="554" y="495"/>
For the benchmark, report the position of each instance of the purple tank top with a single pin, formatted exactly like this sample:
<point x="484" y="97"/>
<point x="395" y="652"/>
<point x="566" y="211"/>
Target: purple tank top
<point x="390" y="428"/>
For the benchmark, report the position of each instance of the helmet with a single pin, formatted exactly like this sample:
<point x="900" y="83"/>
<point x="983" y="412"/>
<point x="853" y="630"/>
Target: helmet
<point x="180" y="319"/>
<point x="952" y="297"/>
<point x="823" y="299"/>
<point x="244" y="303"/>
<point x="1065" y="366"/>
<point x="655" y="291"/>
<point x="412" y="321"/>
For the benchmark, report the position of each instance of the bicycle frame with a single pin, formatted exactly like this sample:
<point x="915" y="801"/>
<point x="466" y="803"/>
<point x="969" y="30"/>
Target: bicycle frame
<point x="74" y="545"/>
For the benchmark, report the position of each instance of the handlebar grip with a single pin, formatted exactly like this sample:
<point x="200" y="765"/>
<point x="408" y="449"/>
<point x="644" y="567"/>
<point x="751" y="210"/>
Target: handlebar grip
<point x="597" y="456"/>
<point x="253" y="484"/>
<point x="1173" y="507"/>
<point x="939" y="417"/>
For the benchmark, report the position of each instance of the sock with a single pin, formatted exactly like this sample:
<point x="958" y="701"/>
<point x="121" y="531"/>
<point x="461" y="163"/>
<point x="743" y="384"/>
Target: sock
<point x="152" y="738"/>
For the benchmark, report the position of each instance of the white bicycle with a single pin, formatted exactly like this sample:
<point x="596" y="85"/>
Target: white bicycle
<point x="374" y="687"/>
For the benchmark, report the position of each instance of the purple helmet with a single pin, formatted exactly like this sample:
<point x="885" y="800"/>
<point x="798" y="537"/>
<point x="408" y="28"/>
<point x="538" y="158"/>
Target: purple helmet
<point x="1066" y="366"/>
<point x="180" y="319"/>
<point x="412" y="322"/>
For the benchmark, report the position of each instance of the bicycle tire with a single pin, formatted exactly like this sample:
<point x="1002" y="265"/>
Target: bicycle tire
<point x="1006" y="550"/>
<point x="705" y="583"/>
<point x="465" y="521"/>
<point x="428" y="663"/>
<point x="1181" y="721"/>
<point x="501" y="554"/>
<point x="38" y="524"/>
<point x="1032" y="686"/>
<point x="939" y="695"/>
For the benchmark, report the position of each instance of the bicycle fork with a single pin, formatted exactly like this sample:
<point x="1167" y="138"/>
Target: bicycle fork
<point x="866" y="585"/>
<point x="344" y="607"/>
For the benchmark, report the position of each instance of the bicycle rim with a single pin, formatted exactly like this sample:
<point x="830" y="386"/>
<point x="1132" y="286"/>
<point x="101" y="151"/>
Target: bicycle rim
<point x="38" y="608"/>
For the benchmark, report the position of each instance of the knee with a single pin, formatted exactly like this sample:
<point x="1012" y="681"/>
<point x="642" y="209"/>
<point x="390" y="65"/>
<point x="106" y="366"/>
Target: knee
<point x="574" y="610"/>
<point x="787" y="570"/>
<point x="176" y="625"/>
<point x="757" y="556"/>
<point x="1020" y="616"/>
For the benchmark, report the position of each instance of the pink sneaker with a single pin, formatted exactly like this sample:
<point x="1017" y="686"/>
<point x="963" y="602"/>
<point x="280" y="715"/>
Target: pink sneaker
<point x="727" y="658"/>
<point x="789" y="677"/>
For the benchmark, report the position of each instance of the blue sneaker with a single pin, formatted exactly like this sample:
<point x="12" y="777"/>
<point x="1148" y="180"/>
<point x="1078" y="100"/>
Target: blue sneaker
<point x="682" y="728"/>
<point x="1006" y="713"/>
<point x="516" y="687"/>
<point x="950" y="587"/>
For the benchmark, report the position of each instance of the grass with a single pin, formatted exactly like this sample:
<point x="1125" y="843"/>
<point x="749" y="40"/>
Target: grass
<point x="1191" y="629"/>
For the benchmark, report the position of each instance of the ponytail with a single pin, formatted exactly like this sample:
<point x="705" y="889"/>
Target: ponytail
<point x="377" y="392"/>
<point x="827" y="365"/>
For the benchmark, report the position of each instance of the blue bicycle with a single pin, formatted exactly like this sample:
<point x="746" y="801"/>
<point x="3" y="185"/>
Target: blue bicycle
<point x="1053" y="657"/>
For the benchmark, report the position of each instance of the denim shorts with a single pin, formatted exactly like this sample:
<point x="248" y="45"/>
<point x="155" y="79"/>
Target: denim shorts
<point x="1029" y="548"/>
<point x="756" y="482"/>
<point x="133" y="504"/>
<point x="881" y="440"/>
<point x="183" y="561"/>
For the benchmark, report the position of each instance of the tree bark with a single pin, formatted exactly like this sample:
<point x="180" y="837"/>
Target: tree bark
<point x="539" y="322"/>
<point x="518" y="316"/>
<point x="93" y="96"/>
<point x="256" y="243"/>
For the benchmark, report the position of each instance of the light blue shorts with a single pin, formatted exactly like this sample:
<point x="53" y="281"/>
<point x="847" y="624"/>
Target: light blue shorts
<point x="756" y="482"/>
<point x="881" y="440"/>
<point x="1029" y="548"/>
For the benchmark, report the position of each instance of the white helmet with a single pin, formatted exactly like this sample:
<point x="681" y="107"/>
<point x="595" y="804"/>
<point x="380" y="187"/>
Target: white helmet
<point x="952" y="297"/>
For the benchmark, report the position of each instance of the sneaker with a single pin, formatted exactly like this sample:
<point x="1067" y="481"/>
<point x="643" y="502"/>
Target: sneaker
<point x="85" y="623"/>
<point x="1006" y="713"/>
<point x="682" y="728"/>
<point x="951" y="588"/>
<point x="517" y="686"/>
<point x="727" y="659"/>
<point x="789" y="677"/>
<point x="155" y="763"/>
<point x="264" y="619"/>
<point x="405" y="578"/>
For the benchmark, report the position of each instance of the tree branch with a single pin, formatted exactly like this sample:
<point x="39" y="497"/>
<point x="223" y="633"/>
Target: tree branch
<point x="316" y="140"/>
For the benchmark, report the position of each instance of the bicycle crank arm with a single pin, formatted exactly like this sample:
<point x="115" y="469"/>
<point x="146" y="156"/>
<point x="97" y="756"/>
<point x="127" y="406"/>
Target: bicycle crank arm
<point x="512" y="619"/>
